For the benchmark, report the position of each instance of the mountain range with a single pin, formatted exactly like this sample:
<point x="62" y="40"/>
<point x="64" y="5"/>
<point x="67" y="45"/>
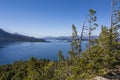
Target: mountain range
<point x="9" y="37"/>
<point x="68" y="38"/>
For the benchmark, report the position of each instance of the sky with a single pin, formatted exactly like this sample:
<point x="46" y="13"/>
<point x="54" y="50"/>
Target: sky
<point x="42" y="18"/>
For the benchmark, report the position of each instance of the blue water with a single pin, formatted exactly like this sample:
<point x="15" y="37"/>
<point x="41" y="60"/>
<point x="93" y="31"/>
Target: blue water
<point x="15" y="51"/>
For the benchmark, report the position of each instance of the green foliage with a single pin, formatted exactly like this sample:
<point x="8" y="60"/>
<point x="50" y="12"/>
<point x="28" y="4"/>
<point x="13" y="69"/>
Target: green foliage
<point x="92" y="25"/>
<point x="60" y="57"/>
<point x="75" y="40"/>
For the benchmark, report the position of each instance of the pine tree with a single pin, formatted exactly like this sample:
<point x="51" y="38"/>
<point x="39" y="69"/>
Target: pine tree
<point x="60" y="57"/>
<point x="34" y="70"/>
<point x="75" y="41"/>
<point x="92" y="25"/>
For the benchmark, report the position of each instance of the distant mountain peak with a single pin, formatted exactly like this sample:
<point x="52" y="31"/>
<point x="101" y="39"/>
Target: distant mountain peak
<point x="1" y="29"/>
<point x="16" y="37"/>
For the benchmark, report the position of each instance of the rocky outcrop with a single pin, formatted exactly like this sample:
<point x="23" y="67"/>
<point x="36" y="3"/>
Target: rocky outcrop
<point x="100" y="78"/>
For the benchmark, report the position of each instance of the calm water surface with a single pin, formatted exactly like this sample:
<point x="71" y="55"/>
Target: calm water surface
<point x="15" y="51"/>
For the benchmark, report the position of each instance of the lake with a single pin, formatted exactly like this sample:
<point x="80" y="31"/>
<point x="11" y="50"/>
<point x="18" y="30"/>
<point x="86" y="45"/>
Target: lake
<point x="15" y="51"/>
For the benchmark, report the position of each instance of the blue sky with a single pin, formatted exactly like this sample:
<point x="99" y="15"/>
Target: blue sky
<point x="41" y="18"/>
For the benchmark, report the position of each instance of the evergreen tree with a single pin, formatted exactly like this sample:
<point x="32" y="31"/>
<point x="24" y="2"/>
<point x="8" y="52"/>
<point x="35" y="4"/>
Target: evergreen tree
<point x="34" y="71"/>
<point x="92" y="25"/>
<point x="60" y="57"/>
<point x="75" y="41"/>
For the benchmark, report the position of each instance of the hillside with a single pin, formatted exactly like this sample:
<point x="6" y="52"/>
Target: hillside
<point x="9" y="37"/>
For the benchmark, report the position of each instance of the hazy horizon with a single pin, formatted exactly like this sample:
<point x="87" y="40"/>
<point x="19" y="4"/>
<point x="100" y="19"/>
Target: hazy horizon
<point x="44" y="18"/>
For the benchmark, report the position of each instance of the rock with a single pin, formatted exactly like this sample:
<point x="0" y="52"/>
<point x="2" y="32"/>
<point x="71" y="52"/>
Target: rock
<point x="100" y="78"/>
